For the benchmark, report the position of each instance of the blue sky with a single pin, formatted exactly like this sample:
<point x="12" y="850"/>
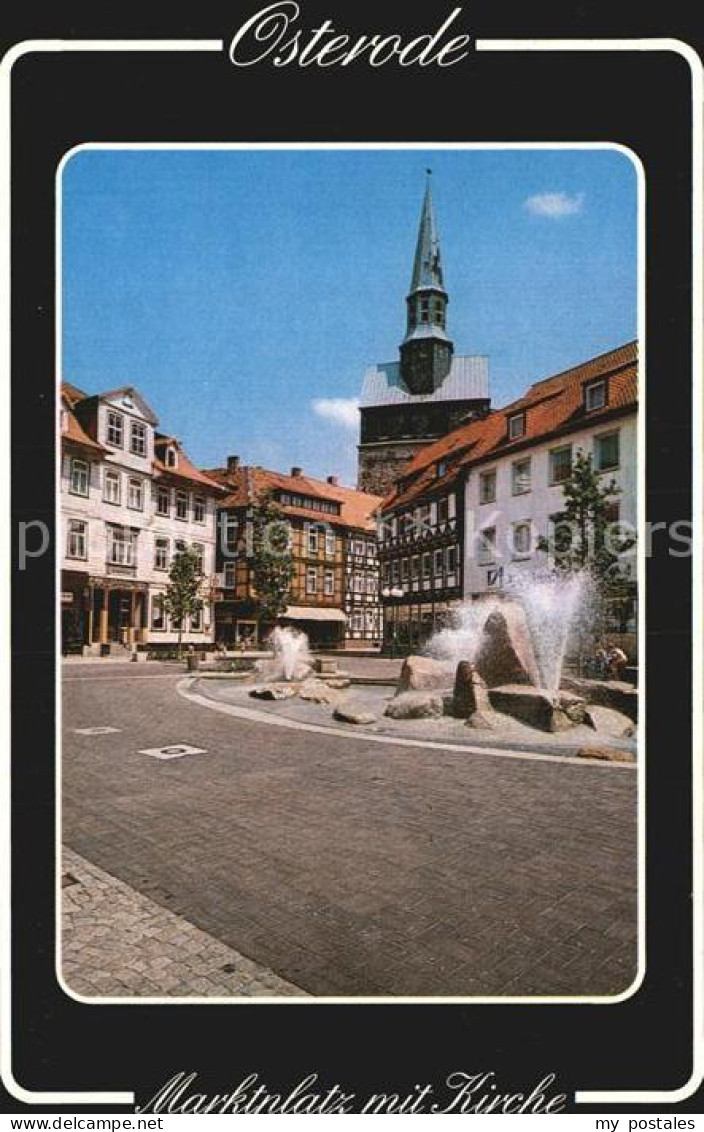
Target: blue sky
<point x="239" y="289"/>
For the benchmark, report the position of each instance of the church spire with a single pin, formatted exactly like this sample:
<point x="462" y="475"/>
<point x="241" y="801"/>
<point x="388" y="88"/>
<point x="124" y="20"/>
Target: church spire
<point x="427" y="265"/>
<point x="426" y="351"/>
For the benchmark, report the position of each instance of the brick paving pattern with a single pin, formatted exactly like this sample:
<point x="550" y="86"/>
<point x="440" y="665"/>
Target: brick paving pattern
<point x="351" y="867"/>
<point x="116" y="942"/>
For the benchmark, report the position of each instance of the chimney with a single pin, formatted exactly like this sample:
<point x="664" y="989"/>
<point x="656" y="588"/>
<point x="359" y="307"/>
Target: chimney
<point x="333" y="480"/>
<point x="233" y="463"/>
<point x="295" y="472"/>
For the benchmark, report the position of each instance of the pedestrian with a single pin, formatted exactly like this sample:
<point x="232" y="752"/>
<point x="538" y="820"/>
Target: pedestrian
<point x="617" y="661"/>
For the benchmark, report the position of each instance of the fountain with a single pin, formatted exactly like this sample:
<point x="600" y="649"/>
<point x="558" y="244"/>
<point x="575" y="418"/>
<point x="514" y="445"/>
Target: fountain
<point x="551" y="603"/>
<point x="292" y="659"/>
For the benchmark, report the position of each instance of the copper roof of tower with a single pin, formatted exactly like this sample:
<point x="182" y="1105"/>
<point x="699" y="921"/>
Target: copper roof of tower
<point x="427" y="264"/>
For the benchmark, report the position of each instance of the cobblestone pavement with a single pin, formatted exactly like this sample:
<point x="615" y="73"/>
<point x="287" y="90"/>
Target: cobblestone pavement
<point x="356" y="868"/>
<point x="117" y="942"/>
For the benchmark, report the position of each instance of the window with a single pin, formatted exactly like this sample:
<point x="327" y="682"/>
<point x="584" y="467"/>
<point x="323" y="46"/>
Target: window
<point x="329" y="582"/>
<point x="371" y="549"/>
<point x="516" y="426"/>
<point x="426" y="565"/>
<point x="171" y="458"/>
<point x="197" y="620"/>
<point x="441" y="468"/>
<point x="121" y="547"/>
<point x="522" y="540"/>
<point x="230" y="579"/>
<point x="438" y="561"/>
<point x="451" y="559"/>
<point x="111" y="487"/>
<point x="115" y="429"/>
<point x="161" y="554"/>
<point x="487" y="486"/>
<point x="356" y="621"/>
<point x="439" y="312"/>
<point x="198" y="510"/>
<point x="595" y="395"/>
<point x="138" y="438"/>
<point x="312" y="540"/>
<point x="80" y="477"/>
<point x="135" y="495"/>
<point x="77" y="539"/>
<point x="181" y="504"/>
<point x="560" y="464"/>
<point x="442" y="510"/>
<point x="520" y="477"/>
<point x="424" y="307"/>
<point x="199" y="552"/>
<point x="158" y="613"/>
<point x="606" y="451"/>
<point x="163" y="501"/>
<point x="415" y="568"/>
<point x="404" y="569"/>
<point x="329" y="544"/>
<point x="311" y="580"/>
<point x="487" y="546"/>
<point x="230" y="529"/>
<point x="359" y="548"/>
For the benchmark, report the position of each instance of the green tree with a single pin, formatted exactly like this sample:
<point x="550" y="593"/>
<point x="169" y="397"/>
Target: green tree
<point x="585" y="537"/>
<point x="182" y="596"/>
<point x="271" y="559"/>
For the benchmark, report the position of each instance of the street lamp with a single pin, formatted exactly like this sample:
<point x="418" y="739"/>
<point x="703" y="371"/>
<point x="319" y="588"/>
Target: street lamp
<point x="394" y="591"/>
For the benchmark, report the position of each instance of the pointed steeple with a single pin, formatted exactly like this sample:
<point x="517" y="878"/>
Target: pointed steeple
<point x="426" y="351"/>
<point x="427" y="265"/>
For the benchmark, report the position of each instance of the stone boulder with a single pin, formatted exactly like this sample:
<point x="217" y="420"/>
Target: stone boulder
<point x="505" y="654"/>
<point x="616" y="694"/>
<point x="318" y="692"/>
<point x="606" y="754"/>
<point x="274" y="692"/>
<point x="422" y="674"/>
<point x="351" y="712"/>
<point x="470" y="693"/>
<point x="482" y="720"/>
<point x="606" y="721"/>
<point x="537" y="708"/>
<point x="415" y="705"/>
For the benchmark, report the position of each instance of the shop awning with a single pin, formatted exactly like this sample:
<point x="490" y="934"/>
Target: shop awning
<point x="312" y="613"/>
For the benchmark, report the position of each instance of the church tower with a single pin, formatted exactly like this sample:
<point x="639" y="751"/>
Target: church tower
<point x="426" y="351"/>
<point x="430" y="390"/>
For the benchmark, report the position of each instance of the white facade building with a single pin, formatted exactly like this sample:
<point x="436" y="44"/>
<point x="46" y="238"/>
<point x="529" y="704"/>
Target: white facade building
<point x="511" y="500"/>
<point x="130" y="499"/>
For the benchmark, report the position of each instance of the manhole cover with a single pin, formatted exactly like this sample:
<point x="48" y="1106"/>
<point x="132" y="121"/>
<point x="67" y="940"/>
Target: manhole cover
<point x="175" y="751"/>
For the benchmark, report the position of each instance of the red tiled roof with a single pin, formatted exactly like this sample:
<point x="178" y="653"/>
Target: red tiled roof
<point x="185" y="470"/>
<point x="74" y="432"/>
<point x="248" y="483"/>
<point x="552" y="406"/>
<point x="72" y="393"/>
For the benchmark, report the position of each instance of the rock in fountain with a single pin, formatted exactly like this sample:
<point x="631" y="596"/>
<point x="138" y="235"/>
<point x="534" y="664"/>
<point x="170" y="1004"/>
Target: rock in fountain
<point x="422" y="673"/>
<point x="505" y="654"/>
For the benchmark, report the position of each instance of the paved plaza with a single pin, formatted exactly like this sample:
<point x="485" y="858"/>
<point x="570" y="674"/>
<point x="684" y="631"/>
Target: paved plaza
<point x="117" y="942"/>
<point x="333" y="865"/>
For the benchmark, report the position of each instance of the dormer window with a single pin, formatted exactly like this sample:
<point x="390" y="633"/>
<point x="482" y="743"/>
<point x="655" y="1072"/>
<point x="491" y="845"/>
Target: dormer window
<point x="441" y="468"/>
<point x="516" y="426"/>
<point x="171" y="457"/>
<point x="138" y="438"/>
<point x="594" y="395"/>
<point x="115" y="429"/>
